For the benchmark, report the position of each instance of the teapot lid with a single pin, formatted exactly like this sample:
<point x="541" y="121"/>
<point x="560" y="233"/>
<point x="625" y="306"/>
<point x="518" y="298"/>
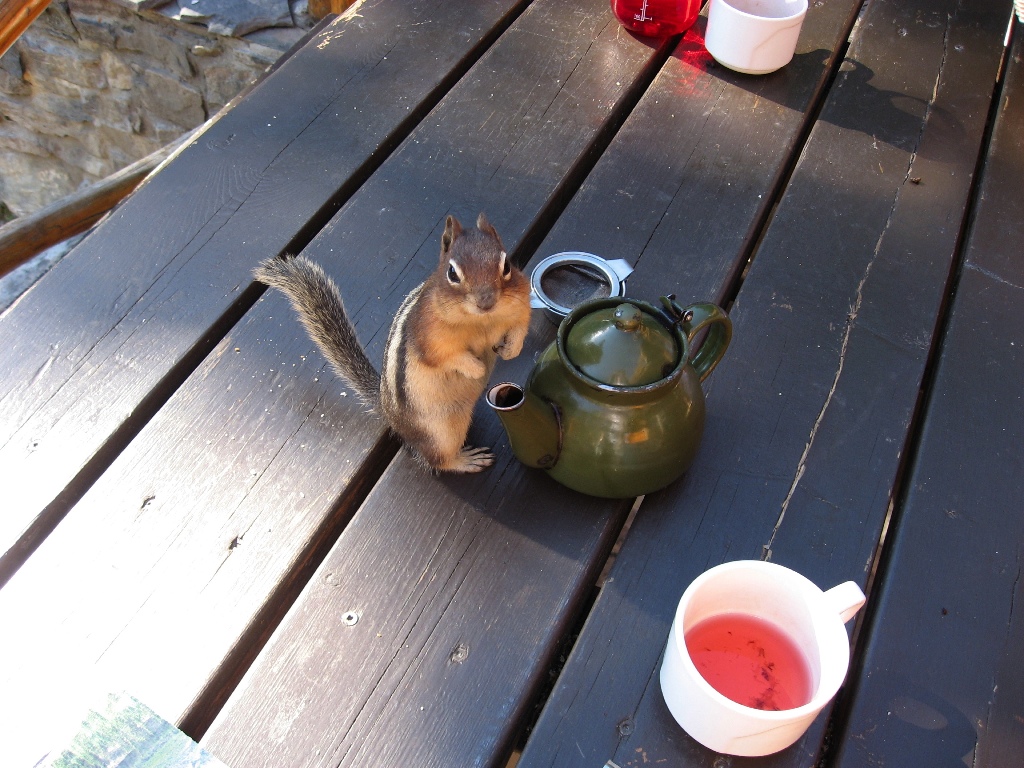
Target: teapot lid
<point x="623" y="346"/>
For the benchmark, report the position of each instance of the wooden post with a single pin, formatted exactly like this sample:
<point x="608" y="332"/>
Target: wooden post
<point x="320" y="8"/>
<point x="15" y="16"/>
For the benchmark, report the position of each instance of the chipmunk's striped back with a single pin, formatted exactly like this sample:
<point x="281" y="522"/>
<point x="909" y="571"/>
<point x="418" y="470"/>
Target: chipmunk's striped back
<point x="396" y="353"/>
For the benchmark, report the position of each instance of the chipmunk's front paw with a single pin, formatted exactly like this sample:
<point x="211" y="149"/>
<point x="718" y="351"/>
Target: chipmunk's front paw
<point x="471" y="460"/>
<point x="510" y="345"/>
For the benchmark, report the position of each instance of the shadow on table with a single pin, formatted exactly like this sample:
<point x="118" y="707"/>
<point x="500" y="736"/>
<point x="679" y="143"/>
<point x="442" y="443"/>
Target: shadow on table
<point x="905" y="718"/>
<point x="888" y="116"/>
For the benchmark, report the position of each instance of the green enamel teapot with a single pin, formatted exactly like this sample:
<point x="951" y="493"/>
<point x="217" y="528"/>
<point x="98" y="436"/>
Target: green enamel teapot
<point x="613" y="407"/>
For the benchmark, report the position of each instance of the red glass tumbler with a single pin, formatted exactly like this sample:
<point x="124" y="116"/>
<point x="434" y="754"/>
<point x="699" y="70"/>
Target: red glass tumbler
<point x="656" y="18"/>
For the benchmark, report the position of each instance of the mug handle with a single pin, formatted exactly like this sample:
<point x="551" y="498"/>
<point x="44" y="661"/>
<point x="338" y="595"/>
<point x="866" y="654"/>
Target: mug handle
<point x="696" y="318"/>
<point x="845" y="599"/>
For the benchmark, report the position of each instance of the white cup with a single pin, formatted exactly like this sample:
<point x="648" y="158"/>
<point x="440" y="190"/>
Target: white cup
<point x="754" y="36"/>
<point x="812" y="619"/>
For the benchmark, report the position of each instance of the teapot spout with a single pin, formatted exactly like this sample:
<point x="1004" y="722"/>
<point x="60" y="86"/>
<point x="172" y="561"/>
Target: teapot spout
<point x="531" y="423"/>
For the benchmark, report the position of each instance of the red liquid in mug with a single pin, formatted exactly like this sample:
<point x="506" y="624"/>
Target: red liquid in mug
<point x="656" y="18"/>
<point x="751" y="661"/>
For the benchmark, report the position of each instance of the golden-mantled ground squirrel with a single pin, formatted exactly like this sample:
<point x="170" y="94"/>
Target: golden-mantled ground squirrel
<point x="442" y="346"/>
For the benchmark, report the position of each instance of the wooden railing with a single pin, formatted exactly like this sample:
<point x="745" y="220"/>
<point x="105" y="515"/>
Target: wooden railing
<point x="29" y="235"/>
<point x="15" y="16"/>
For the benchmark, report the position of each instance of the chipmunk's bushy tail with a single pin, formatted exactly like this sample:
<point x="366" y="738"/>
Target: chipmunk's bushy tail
<point x="317" y="301"/>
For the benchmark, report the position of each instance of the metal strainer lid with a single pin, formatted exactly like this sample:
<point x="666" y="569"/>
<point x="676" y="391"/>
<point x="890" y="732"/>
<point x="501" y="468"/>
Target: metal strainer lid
<point x="561" y="282"/>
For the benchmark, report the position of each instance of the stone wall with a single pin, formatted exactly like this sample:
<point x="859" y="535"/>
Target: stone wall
<point x="93" y="85"/>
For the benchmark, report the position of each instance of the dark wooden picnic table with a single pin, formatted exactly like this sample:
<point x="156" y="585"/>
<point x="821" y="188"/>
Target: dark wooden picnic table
<point x="197" y="512"/>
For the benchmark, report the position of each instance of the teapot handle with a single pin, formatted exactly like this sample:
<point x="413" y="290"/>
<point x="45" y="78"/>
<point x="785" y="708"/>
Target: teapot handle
<point x="696" y="318"/>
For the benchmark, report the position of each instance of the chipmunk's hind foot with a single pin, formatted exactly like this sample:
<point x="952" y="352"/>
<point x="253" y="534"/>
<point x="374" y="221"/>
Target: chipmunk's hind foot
<point x="470" y="460"/>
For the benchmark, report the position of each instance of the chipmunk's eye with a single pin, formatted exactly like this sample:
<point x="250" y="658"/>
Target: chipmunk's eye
<point x="506" y="266"/>
<point x="453" y="275"/>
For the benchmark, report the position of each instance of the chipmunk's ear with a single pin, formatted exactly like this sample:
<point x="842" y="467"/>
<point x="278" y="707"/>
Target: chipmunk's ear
<point x="452" y="229"/>
<point x="487" y="228"/>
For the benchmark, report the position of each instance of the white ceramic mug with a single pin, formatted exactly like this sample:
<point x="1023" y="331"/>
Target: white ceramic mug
<point x="754" y="36"/>
<point x="814" y="620"/>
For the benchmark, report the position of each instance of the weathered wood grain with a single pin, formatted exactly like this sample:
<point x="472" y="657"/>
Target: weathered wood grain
<point x="194" y="537"/>
<point x="95" y="347"/>
<point x="941" y="677"/>
<point x="810" y="410"/>
<point x="482" y="578"/>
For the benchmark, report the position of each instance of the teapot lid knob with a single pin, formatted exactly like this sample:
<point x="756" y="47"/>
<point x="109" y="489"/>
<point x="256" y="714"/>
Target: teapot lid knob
<point x="628" y="317"/>
<point x="618" y="343"/>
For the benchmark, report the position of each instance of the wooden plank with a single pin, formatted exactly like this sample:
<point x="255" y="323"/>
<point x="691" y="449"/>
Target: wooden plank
<point x="133" y="309"/>
<point x="941" y="677"/>
<point x="208" y="521"/>
<point x="482" y="578"/>
<point x="809" y="411"/>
